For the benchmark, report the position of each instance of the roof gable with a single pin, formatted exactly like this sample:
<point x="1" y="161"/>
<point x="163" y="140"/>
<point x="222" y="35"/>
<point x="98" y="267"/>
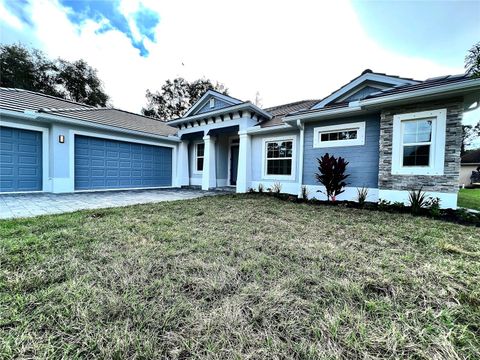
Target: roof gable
<point x="368" y="82"/>
<point x="203" y="104"/>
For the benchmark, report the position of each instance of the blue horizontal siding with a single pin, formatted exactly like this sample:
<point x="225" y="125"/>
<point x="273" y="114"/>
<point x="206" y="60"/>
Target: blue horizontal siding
<point x="219" y="104"/>
<point x="363" y="159"/>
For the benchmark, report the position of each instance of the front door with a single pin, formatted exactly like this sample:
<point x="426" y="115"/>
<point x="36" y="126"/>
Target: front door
<point x="233" y="164"/>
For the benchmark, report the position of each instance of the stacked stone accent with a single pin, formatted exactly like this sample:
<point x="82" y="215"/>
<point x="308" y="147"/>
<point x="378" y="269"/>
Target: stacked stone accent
<point x="447" y="183"/>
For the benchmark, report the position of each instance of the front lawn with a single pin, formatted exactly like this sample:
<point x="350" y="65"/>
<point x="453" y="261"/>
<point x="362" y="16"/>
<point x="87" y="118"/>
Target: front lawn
<point x="469" y="198"/>
<point x="233" y="277"/>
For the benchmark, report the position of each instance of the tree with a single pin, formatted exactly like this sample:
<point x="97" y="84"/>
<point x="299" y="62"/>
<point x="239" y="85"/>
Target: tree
<point x="469" y="133"/>
<point x="332" y="175"/>
<point x="177" y="96"/>
<point x="79" y="82"/>
<point x="472" y="60"/>
<point x="27" y="69"/>
<point x="30" y="69"/>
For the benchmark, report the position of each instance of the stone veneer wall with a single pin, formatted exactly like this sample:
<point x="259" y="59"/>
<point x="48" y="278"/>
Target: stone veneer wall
<point x="448" y="182"/>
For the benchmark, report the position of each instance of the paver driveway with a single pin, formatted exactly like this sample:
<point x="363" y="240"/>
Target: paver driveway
<point x="27" y="205"/>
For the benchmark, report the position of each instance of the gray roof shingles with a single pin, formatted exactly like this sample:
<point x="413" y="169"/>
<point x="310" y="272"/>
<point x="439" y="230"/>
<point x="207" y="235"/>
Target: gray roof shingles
<point x="280" y="111"/>
<point x="20" y="100"/>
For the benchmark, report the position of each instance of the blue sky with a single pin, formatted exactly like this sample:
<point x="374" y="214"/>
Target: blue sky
<point x="439" y="30"/>
<point x="286" y="50"/>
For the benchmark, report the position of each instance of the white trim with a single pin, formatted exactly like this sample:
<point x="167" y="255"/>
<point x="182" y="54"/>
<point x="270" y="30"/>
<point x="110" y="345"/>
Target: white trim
<point x="358" y="126"/>
<point x="71" y="150"/>
<point x="46" y="180"/>
<point x="420" y="95"/>
<point x="437" y="147"/>
<point x="288" y="187"/>
<point x="350" y="193"/>
<point x="194" y="168"/>
<point x="447" y="200"/>
<point x="212" y="102"/>
<point x="291" y="138"/>
<point x="254" y="130"/>
<point x="362" y="78"/>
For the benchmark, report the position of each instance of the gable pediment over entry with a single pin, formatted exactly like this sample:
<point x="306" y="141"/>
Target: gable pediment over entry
<point x="211" y="101"/>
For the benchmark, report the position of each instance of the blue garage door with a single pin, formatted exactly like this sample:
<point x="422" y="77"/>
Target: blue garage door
<point x="110" y="164"/>
<point x="20" y="160"/>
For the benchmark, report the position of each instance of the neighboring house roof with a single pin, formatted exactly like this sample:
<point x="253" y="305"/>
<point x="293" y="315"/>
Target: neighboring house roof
<point x="471" y="157"/>
<point x="279" y="111"/>
<point x="24" y="100"/>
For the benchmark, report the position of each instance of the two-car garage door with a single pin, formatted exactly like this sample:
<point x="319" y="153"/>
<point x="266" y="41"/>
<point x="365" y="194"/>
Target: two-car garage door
<point x="99" y="163"/>
<point x="111" y="164"/>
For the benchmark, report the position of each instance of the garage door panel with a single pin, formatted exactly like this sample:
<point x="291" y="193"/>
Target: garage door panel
<point x="122" y="164"/>
<point x="20" y="160"/>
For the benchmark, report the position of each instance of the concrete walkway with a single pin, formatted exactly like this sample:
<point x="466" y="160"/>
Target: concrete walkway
<point x="28" y="205"/>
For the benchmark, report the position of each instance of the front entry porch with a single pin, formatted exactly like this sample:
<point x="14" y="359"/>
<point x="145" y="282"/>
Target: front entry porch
<point x="212" y="160"/>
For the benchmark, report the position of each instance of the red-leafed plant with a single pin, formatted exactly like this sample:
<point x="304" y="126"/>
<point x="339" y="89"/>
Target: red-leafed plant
<point x="332" y="175"/>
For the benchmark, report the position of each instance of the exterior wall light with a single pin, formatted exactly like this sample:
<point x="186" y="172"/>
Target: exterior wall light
<point x="61" y="139"/>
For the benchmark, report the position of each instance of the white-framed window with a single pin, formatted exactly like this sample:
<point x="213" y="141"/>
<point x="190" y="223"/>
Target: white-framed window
<point x="351" y="134"/>
<point x="212" y="102"/>
<point x="199" y="157"/>
<point x="418" y="143"/>
<point x="279" y="158"/>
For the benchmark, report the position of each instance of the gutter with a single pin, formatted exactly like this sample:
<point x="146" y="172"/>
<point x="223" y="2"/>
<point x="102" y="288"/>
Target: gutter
<point x="354" y="107"/>
<point x="33" y="115"/>
<point x="220" y="111"/>
<point x="447" y="89"/>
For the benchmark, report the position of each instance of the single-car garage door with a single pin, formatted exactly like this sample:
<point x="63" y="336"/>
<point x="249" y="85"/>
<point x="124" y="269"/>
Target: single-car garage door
<point x="110" y="164"/>
<point x="20" y="160"/>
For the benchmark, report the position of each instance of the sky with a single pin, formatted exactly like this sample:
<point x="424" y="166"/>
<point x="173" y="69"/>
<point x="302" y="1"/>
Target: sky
<point x="285" y="50"/>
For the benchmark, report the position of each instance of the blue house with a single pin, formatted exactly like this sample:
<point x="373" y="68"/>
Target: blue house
<point x="398" y="134"/>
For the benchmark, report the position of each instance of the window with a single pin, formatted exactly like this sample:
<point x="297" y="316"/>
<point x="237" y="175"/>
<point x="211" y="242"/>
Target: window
<point x="417" y="140"/>
<point x="199" y="156"/>
<point x="212" y="102"/>
<point x="352" y="134"/>
<point x="279" y="158"/>
<point x="418" y="144"/>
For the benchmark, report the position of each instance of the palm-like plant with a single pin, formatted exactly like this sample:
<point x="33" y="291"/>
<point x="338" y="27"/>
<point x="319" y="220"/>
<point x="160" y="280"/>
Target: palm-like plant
<point x="332" y="175"/>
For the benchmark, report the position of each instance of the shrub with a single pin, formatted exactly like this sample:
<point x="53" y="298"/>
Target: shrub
<point x="417" y="199"/>
<point x="260" y="188"/>
<point x="332" y="175"/>
<point x="276" y="188"/>
<point x="434" y="206"/>
<point x="251" y="190"/>
<point x="362" y="194"/>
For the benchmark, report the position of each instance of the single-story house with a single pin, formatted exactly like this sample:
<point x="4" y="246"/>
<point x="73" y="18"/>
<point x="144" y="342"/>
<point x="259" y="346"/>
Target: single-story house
<point x="397" y="134"/>
<point x="470" y="162"/>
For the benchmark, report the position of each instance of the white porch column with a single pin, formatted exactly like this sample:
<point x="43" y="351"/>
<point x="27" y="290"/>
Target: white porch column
<point x="183" y="175"/>
<point x="209" y="177"/>
<point x="244" y="162"/>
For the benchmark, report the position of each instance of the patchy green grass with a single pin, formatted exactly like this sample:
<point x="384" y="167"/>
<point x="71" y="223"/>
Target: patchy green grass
<point x="235" y="277"/>
<point x="469" y="198"/>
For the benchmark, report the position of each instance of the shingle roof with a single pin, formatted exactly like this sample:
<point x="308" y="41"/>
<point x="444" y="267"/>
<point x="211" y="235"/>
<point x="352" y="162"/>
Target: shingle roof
<point x="281" y="110"/>
<point x="471" y="157"/>
<point x="21" y="100"/>
<point x="432" y="82"/>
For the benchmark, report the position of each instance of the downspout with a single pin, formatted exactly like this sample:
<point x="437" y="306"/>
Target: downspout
<point x="301" y="126"/>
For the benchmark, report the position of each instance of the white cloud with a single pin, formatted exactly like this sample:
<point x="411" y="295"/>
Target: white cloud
<point x="285" y="50"/>
<point x="9" y="19"/>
